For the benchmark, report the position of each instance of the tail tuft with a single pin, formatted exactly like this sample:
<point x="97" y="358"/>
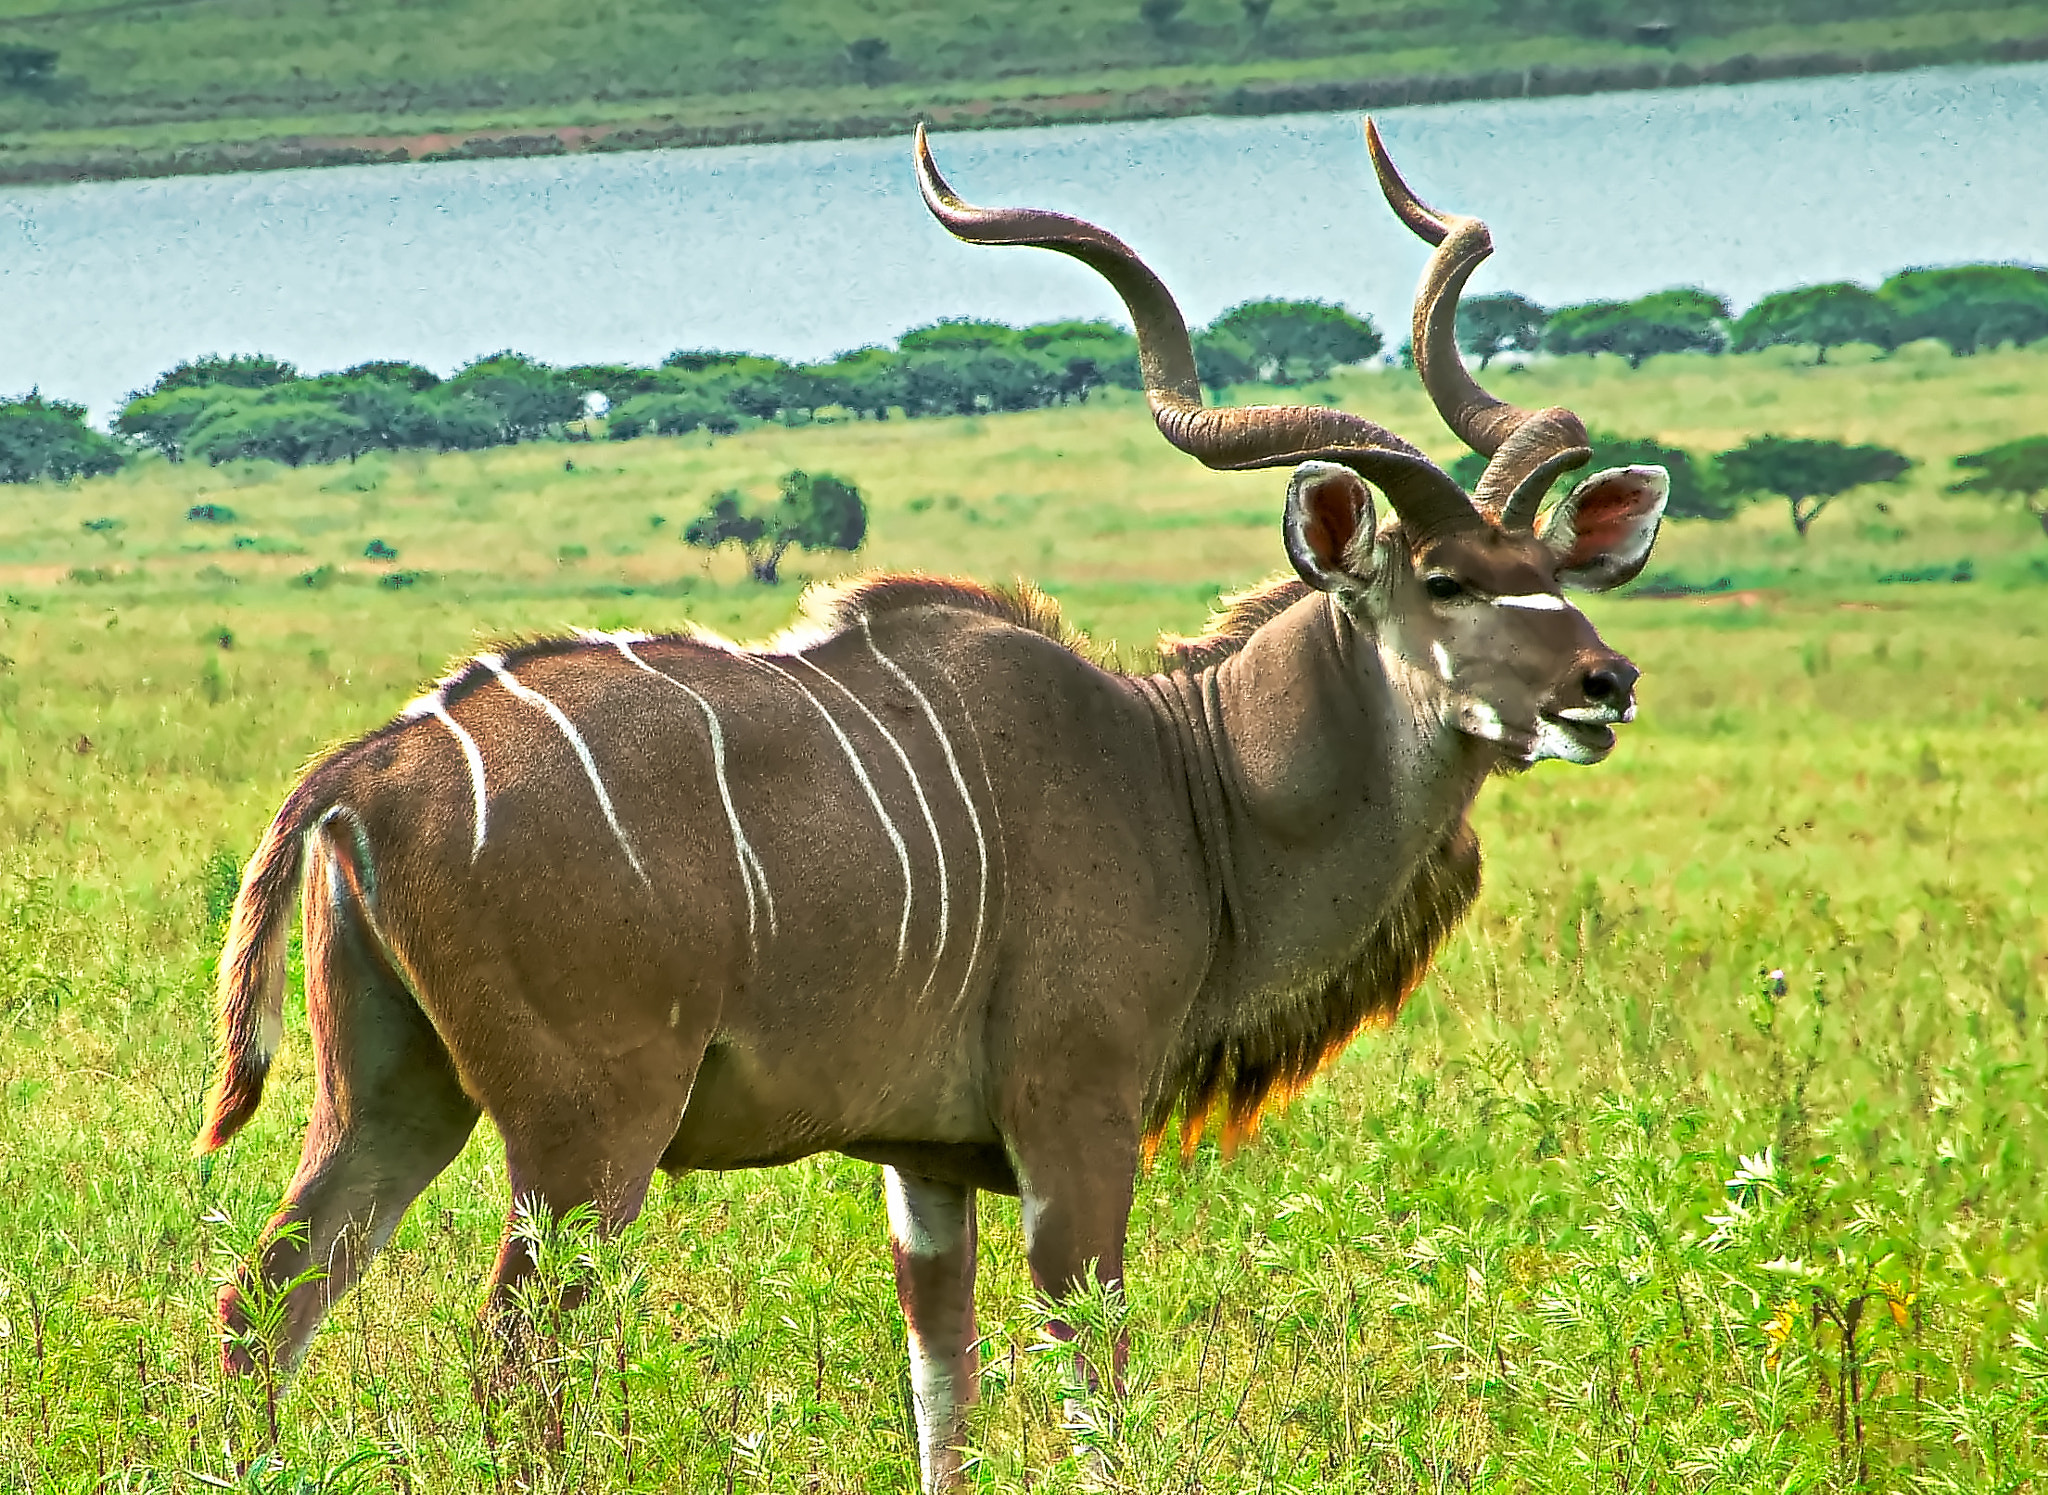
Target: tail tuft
<point x="252" y="965"/>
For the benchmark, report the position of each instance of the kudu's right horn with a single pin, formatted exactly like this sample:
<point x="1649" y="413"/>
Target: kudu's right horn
<point x="1427" y="499"/>
<point x="1526" y="449"/>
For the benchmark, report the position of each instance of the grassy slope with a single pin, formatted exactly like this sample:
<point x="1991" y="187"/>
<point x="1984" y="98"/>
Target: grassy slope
<point x="1471" y="1257"/>
<point x="207" y="73"/>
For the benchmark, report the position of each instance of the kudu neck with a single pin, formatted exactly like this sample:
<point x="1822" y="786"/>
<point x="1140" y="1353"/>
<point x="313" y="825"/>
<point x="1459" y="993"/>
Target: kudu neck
<point x="1319" y="724"/>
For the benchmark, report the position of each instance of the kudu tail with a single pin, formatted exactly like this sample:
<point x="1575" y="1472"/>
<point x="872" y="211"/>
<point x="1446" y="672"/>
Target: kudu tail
<point x="250" y="994"/>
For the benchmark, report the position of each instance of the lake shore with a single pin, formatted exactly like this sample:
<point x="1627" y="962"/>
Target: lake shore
<point x="1379" y="81"/>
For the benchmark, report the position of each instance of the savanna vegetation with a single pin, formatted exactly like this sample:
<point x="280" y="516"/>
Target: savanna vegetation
<point x="94" y="89"/>
<point x="1712" y="1156"/>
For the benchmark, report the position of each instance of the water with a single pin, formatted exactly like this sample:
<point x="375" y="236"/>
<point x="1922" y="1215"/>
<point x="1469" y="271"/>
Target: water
<point x="804" y="249"/>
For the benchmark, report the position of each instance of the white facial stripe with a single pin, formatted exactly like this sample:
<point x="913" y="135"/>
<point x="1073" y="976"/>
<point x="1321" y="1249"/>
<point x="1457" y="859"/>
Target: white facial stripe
<point x="1483" y="721"/>
<point x="752" y="878"/>
<point x="923" y="805"/>
<point x="959" y="783"/>
<point x="874" y="798"/>
<point x="1535" y="602"/>
<point x="1442" y="656"/>
<point x="496" y="665"/>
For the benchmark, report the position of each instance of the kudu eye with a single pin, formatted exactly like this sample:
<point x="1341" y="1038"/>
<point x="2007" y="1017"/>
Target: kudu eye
<point x="1441" y="587"/>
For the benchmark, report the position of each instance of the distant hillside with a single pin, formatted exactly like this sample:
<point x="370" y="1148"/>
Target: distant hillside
<point x="147" y="87"/>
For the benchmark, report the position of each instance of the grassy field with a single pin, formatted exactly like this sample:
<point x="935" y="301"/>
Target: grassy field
<point x="1609" y="1208"/>
<point x="217" y="84"/>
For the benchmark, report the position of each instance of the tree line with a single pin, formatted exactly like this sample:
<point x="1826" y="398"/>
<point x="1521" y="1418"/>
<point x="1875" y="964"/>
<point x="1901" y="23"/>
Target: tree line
<point x="219" y="409"/>
<point x="1968" y="308"/>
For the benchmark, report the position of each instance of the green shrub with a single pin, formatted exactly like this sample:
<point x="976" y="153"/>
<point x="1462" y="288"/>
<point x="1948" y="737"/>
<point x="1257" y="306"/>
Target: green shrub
<point x="42" y="438"/>
<point x="293" y="432"/>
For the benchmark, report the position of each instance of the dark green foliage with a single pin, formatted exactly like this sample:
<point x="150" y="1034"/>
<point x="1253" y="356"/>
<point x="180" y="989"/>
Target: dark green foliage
<point x="532" y="399"/>
<point x="42" y="438"/>
<point x="1970" y="307"/>
<point x="290" y="431"/>
<point x="2012" y="469"/>
<point x="812" y="513"/>
<point x="1223" y="359"/>
<point x="867" y="58"/>
<point x="1695" y="491"/>
<point x="377" y="550"/>
<point x="237" y="371"/>
<point x="668" y="415"/>
<point x="957" y="335"/>
<point x="1682" y="320"/>
<point x="696" y="360"/>
<point x="617" y="382"/>
<point x="1807" y="474"/>
<point x="210" y="514"/>
<point x="1295" y="342"/>
<point x="27" y="67"/>
<point x="1820" y="317"/>
<point x="394" y="371"/>
<point x="1489" y="326"/>
<point x="1160" y="14"/>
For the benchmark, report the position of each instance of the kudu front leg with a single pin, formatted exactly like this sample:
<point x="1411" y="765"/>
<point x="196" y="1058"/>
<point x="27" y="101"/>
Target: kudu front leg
<point x="1077" y="1208"/>
<point x="932" y="1236"/>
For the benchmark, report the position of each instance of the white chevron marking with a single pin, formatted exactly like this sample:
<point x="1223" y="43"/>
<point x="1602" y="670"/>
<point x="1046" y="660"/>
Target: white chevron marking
<point x="432" y="704"/>
<point x="924" y="805"/>
<point x="751" y="873"/>
<point x="959" y="783"/>
<point x="874" y="798"/>
<point x="495" y="663"/>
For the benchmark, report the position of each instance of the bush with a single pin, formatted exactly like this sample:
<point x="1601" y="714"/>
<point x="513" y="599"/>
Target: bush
<point x="1296" y="342"/>
<point x="42" y="438"/>
<point x="1695" y="491"/>
<point x="1822" y="317"/>
<point x="1970" y="307"/>
<point x="28" y="67"/>
<point x="163" y="420"/>
<point x="531" y="399"/>
<point x="668" y="415"/>
<point x="293" y="432"/>
<point x="814" y="513"/>
<point x="393" y="371"/>
<point x="238" y="371"/>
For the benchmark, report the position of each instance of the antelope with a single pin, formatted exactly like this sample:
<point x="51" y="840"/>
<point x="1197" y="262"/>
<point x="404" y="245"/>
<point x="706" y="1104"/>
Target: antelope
<point x="924" y="881"/>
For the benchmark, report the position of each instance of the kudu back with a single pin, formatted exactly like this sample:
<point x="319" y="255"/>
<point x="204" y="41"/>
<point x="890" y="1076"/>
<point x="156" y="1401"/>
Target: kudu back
<point x="924" y="882"/>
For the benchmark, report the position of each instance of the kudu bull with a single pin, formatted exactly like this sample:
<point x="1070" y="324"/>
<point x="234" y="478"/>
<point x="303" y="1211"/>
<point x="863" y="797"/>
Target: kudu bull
<point x="924" y="883"/>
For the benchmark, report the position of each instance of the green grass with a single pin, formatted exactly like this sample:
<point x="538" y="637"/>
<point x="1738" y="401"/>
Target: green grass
<point x="147" y="84"/>
<point x="1604" y="1210"/>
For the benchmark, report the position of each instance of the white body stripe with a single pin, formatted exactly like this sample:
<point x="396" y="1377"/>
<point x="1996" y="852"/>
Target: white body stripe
<point x="924" y="807"/>
<point x="1535" y="602"/>
<point x="496" y="665"/>
<point x="1442" y="656"/>
<point x="874" y="797"/>
<point x="959" y="783"/>
<point x="432" y="704"/>
<point x="752" y="877"/>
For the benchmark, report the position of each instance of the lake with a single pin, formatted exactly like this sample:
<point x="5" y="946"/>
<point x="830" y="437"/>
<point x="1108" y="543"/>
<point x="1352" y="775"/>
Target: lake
<point x="804" y="249"/>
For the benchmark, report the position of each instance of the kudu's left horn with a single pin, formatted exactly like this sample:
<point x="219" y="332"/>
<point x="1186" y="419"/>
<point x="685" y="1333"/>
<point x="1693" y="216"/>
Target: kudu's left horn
<point x="1526" y="449"/>
<point x="1233" y="438"/>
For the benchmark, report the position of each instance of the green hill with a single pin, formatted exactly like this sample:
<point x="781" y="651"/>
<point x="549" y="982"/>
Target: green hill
<point x="89" y="88"/>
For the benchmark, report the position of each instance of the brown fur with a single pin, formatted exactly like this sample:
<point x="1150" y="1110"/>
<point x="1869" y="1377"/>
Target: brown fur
<point x="1286" y="1041"/>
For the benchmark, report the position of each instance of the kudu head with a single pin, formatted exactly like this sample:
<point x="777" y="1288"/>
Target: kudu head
<point x="1462" y="591"/>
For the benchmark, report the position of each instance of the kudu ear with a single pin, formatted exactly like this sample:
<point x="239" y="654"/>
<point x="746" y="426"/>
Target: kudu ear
<point x="1329" y="525"/>
<point x="1601" y="532"/>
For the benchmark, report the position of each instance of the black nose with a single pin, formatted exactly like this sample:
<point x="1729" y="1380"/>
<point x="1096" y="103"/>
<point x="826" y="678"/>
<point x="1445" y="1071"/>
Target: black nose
<point x="1611" y="681"/>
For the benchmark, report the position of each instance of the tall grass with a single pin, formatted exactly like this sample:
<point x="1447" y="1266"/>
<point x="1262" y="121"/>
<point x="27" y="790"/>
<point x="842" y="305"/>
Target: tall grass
<point x="1712" y="1156"/>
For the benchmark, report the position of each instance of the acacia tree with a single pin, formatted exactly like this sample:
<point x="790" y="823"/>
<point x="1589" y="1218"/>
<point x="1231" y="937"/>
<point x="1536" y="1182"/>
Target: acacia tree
<point x="812" y="513"/>
<point x="2013" y="469"/>
<point x="1808" y="475"/>
<point x="1293" y="342"/>
<point x="1820" y="317"/>
<point x="1489" y="326"/>
<point x="1681" y="320"/>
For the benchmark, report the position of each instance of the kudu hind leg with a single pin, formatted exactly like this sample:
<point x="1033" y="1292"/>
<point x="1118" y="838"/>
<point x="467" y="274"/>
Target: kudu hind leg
<point x="388" y="1115"/>
<point x="932" y="1236"/>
